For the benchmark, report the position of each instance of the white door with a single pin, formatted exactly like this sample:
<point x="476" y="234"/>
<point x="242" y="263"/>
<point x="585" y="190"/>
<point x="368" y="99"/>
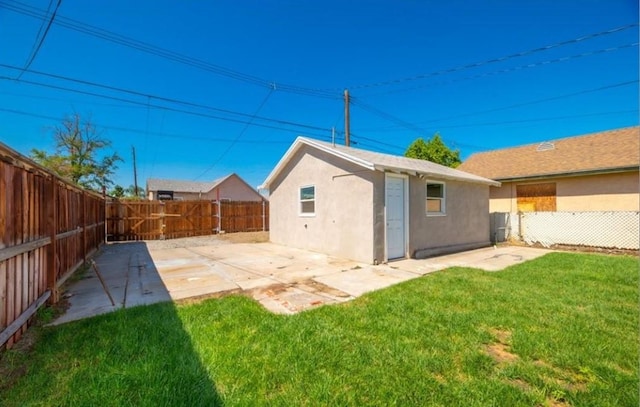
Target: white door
<point x="395" y="196"/>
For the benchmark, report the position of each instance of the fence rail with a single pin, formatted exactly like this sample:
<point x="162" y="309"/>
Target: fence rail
<point x="606" y="229"/>
<point x="48" y="228"/>
<point x="154" y="220"/>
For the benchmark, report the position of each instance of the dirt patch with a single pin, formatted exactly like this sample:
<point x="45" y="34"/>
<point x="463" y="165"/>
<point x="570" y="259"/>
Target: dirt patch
<point x="570" y="248"/>
<point x="209" y="240"/>
<point x="568" y="380"/>
<point x="274" y="289"/>
<point x="500" y="351"/>
<point x="551" y="402"/>
<point x="560" y="380"/>
<point x="440" y="379"/>
<point x="555" y="399"/>
<point x="589" y="249"/>
<point x="502" y="336"/>
<point x="315" y="286"/>
<point x="194" y="241"/>
<point x="245" y="237"/>
<point x="309" y="285"/>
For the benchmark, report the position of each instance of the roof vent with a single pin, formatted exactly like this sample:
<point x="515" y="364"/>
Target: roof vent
<point x="546" y="146"/>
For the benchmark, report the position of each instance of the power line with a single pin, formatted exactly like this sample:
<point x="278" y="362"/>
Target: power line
<point x="507" y="70"/>
<point x="163" y="134"/>
<point x="400" y="122"/>
<point x="494" y="60"/>
<point x="35" y="51"/>
<point x="500" y="123"/>
<point x="382" y="143"/>
<point x="415" y="128"/>
<point x="66" y="100"/>
<point x="167" y="108"/>
<point x="533" y="102"/>
<point x="110" y="36"/>
<point x="403" y="148"/>
<point x="76" y="25"/>
<point x="160" y="98"/>
<point x="37" y="43"/>
<point x="386" y="116"/>
<point x="235" y="140"/>
<point x="159" y="107"/>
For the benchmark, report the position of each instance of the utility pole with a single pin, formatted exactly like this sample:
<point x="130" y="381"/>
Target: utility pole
<point x="135" y="173"/>
<point x="347" y="140"/>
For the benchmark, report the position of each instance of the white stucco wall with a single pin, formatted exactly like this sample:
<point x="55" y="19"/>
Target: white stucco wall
<point x="350" y="211"/>
<point x="343" y="222"/>
<point x="465" y="225"/>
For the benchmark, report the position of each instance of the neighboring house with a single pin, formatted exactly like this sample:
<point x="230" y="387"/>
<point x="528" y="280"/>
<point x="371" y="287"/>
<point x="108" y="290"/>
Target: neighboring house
<point x="373" y="207"/>
<point x="593" y="172"/>
<point x="230" y="187"/>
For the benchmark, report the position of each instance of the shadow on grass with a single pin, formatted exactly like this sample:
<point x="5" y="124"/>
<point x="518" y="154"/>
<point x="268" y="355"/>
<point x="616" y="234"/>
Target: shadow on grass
<point x="140" y="356"/>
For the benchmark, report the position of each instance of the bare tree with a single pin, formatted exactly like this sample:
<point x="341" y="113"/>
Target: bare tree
<point x="79" y="154"/>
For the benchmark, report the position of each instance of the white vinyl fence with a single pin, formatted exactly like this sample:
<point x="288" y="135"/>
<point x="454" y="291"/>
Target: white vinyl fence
<point x="616" y="230"/>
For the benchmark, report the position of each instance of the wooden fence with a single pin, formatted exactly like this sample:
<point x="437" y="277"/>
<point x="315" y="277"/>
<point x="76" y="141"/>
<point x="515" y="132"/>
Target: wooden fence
<point x="154" y="220"/>
<point x="48" y="228"/>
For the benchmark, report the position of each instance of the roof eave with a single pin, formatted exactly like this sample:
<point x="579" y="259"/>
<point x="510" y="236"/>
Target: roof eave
<point x="427" y="174"/>
<point x="297" y="144"/>
<point x="569" y="174"/>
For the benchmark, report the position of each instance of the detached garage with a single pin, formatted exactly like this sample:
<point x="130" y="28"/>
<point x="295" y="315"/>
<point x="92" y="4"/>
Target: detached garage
<point x="374" y="207"/>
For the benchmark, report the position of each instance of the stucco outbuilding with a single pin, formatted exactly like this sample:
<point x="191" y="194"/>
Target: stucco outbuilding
<point x="374" y="207"/>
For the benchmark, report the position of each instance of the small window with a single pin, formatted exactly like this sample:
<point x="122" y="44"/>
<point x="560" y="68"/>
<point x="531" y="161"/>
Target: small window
<point x="435" y="202"/>
<point x="308" y="200"/>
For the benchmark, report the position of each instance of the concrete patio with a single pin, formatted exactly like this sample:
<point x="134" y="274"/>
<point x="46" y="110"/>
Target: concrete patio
<point x="283" y="279"/>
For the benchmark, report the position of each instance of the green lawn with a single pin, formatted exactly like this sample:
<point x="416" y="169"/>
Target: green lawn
<point x="560" y="330"/>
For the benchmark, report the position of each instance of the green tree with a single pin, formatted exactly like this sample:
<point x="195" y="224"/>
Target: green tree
<point x="80" y="154"/>
<point x="434" y="150"/>
<point x="117" y="191"/>
<point x="131" y="193"/>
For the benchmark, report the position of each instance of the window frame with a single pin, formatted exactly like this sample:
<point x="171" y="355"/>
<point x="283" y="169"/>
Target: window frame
<point x="301" y="201"/>
<point x="442" y="199"/>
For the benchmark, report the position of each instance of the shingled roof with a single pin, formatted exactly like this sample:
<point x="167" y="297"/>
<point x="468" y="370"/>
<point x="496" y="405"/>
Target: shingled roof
<point x="378" y="162"/>
<point x="607" y="151"/>
<point x="155" y="184"/>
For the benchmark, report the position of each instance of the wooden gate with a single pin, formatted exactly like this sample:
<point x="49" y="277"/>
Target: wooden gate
<point x="133" y="220"/>
<point x="155" y="220"/>
<point x="188" y="218"/>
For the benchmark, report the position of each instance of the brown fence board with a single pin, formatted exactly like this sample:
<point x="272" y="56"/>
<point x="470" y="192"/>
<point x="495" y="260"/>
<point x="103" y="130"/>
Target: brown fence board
<point x="44" y="235"/>
<point x="153" y="220"/>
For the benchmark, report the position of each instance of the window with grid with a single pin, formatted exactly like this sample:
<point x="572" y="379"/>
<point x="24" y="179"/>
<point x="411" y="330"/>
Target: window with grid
<point x="308" y="200"/>
<point x="435" y="199"/>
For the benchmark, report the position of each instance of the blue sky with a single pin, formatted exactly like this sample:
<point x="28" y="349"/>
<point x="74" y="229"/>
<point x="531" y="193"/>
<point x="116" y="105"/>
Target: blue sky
<point x="205" y="88"/>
